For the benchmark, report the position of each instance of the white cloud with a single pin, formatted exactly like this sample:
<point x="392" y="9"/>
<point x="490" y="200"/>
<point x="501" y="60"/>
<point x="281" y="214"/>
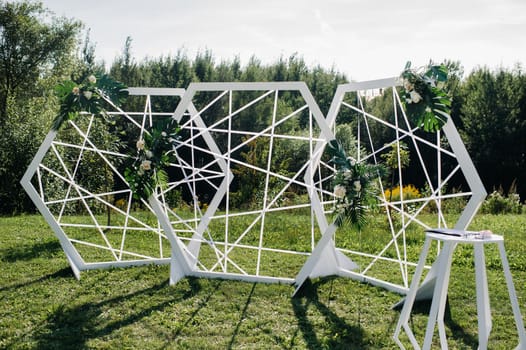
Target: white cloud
<point x="365" y="39"/>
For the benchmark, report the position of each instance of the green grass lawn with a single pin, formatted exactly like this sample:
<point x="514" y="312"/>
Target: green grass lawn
<point x="42" y="306"/>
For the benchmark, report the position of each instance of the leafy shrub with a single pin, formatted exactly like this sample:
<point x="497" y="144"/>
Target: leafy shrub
<point x="174" y="198"/>
<point x="498" y="203"/>
<point x="25" y="127"/>
<point x="453" y="205"/>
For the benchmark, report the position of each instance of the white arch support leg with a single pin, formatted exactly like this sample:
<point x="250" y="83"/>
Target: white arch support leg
<point x="179" y="264"/>
<point x="325" y="260"/>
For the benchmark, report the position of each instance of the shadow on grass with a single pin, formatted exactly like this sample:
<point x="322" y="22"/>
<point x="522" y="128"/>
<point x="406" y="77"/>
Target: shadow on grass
<point x="30" y="251"/>
<point x="72" y="328"/>
<point x="62" y="273"/>
<point x="242" y="317"/>
<point x="194" y="283"/>
<point x="423" y="307"/>
<point x="343" y="335"/>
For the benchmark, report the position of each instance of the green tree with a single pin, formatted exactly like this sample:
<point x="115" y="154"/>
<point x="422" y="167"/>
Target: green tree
<point x="493" y="125"/>
<point x="31" y="41"/>
<point x="397" y="158"/>
<point x="36" y="51"/>
<point x="125" y="69"/>
<point x="381" y="106"/>
<point x="204" y="66"/>
<point x="323" y="84"/>
<point x="87" y="61"/>
<point x="347" y="138"/>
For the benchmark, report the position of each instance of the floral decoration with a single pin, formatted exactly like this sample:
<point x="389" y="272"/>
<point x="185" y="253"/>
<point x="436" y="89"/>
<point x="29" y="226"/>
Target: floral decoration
<point x="154" y="152"/>
<point x="87" y="97"/>
<point x="425" y="97"/>
<point x="355" y="187"/>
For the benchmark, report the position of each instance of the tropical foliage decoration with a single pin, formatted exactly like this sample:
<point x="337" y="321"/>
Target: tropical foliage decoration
<point x="425" y="96"/>
<point x="147" y="170"/>
<point x="87" y="97"/>
<point x="355" y="187"/>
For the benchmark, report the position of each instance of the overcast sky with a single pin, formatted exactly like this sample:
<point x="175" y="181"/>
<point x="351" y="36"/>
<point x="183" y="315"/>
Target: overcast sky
<point x="365" y="39"/>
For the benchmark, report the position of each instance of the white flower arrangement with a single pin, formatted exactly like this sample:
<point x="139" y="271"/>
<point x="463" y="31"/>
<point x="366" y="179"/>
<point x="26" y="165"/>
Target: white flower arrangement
<point x="91" y="96"/>
<point x="425" y="97"/>
<point x="355" y="187"/>
<point x="88" y="94"/>
<point x="154" y="152"/>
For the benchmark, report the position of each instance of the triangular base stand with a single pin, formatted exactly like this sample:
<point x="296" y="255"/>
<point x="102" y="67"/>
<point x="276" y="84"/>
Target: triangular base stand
<point x="179" y="263"/>
<point x="325" y="260"/>
<point x="426" y="289"/>
<point x="332" y="261"/>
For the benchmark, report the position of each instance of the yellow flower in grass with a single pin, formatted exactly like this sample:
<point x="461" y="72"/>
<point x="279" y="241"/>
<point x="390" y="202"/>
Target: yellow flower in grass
<point x="408" y="191"/>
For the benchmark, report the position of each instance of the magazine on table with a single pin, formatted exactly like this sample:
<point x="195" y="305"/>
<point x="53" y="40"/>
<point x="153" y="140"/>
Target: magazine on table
<point x="461" y="233"/>
<point x="451" y="232"/>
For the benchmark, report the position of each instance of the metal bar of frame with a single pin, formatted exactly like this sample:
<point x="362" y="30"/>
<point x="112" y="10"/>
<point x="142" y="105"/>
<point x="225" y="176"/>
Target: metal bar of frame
<point x="458" y="151"/>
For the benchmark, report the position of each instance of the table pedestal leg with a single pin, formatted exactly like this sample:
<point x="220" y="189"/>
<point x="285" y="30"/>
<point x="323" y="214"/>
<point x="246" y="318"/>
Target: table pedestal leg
<point x="403" y="321"/>
<point x="483" y="308"/>
<point x="513" y="298"/>
<point x="438" y="305"/>
<point x="440" y="291"/>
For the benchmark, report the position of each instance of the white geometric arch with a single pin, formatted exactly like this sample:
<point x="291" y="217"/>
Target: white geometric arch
<point x="239" y="115"/>
<point x="130" y="237"/>
<point x="402" y="212"/>
<point x="213" y="149"/>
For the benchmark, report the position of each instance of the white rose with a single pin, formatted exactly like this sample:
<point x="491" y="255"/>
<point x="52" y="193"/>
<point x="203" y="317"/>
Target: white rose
<point x="339" y="191"/>
<point x="149" y="154"/>
<point x="140" y="144"/>
<point x="92" y="79"/>
<point x="415" y="96"/>
<point x="408" y="86"/>
<point x="163" y="134"/>
<point x="146" y="165"/>
<point x="75" y="90"/>
<point x="88" y="94"/>
<point x="357" y="186"/>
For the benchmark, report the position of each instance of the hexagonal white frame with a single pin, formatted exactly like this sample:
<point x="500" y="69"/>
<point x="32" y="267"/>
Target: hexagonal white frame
<point x="326" y="258"/>
<point x="75" y="259"/>
<point x="315" y="266"/>
<point x="189" y="267"/>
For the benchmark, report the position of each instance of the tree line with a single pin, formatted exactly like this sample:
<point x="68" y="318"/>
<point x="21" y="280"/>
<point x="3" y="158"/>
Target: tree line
<point x="39" y="50"/>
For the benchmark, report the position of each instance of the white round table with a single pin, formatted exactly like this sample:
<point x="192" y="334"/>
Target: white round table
<point x="436" y="313"/>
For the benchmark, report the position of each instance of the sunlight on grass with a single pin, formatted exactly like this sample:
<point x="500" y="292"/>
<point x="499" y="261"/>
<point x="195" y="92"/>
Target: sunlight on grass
<point x="42" y="306"/>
